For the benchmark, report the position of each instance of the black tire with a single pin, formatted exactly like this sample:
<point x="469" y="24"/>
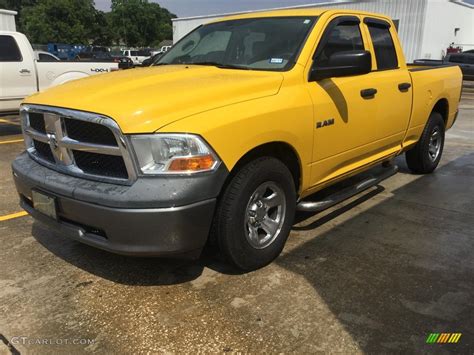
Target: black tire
<point x="231" y="221"/>
<point x="420" y="158"/>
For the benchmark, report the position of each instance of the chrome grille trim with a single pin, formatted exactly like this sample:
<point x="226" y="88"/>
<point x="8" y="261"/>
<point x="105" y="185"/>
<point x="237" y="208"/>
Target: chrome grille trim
<point x="62" y="146"/>
<point x="90" y="147"/>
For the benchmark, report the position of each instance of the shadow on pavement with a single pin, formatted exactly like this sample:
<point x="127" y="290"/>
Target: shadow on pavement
<point x="117" y="268"/>
<point x="133" y="271"/>
<point x="7" y="129"/>
<point x="402" y="269"/>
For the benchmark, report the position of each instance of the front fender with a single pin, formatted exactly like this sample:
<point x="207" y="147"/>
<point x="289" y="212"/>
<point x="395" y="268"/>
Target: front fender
<point x="234" y="130"/>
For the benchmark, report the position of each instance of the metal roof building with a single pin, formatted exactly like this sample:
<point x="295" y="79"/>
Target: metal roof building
<point x="426" y="27"/>
<point x="7" y="20"/>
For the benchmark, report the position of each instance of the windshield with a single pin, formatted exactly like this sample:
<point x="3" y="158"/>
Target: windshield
<point x="258" y="43"/>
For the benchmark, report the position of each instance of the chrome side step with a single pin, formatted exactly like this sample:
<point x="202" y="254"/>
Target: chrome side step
<point x="348" y="192"/>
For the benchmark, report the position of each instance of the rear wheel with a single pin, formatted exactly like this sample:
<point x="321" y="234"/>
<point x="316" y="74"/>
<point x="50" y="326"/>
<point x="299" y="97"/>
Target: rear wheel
<point x="255" y="214"/>
<point x="424" y="157"/>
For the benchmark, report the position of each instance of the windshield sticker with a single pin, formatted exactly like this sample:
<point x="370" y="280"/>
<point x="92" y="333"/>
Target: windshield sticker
<point x="306" y="22"/>
<point x="276" y="61"/>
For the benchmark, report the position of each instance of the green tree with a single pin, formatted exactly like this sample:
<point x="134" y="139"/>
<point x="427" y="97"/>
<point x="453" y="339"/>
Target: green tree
<point x="16" y="5"/>
<point x="103" y="34"/>
<point x="137" y="23"/>
<point x="140" y="23"/>
<point x="67" y="21"/>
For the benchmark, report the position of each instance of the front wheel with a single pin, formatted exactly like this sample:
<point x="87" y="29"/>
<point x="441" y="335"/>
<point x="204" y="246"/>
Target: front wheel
<point x="255" y="214"/>
<point x="424" y="157"/>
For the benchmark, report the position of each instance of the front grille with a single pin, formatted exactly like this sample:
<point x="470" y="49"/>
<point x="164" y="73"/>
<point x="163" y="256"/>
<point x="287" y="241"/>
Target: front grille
<point x="43" y="151"/>
<point x="37" y="122"/>
<point x="100" y="164"/>
<point x="77" y="143"/>
<point x="89" y="132"/>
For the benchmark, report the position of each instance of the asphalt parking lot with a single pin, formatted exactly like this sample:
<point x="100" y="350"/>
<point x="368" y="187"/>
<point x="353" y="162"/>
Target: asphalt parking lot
<point x="377" y="273"/>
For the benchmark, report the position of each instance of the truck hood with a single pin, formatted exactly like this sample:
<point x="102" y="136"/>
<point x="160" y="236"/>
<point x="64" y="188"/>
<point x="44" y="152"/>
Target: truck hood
<point x="143" y="100"/>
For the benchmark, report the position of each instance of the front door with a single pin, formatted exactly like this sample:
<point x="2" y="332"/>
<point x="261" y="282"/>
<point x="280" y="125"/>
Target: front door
<point x="345" y="124"/>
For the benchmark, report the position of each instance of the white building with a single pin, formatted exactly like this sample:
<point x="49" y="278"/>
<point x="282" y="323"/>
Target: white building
<point x="426" y="27"/>
<point x="7" y="20"/>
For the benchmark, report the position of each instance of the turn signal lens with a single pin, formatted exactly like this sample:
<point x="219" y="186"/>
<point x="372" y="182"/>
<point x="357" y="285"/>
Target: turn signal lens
<point x="192" y="164"/>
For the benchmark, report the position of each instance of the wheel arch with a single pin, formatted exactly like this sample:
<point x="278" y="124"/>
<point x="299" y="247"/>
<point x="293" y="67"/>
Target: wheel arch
<point x="280" y="150"/>
<point x="68" y="76"/>
<point x="442" y="107"/>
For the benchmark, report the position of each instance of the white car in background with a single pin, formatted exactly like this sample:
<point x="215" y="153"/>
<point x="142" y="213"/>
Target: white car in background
<point x="165" y="49"/>
<point x="22" y="72"/>
<point x="137" y="56"/>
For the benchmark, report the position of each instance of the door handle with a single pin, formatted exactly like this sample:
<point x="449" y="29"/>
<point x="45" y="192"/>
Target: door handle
<point x="368" y="93"/>
<point x="25" y="71"/>
<point x="404" y="86"/>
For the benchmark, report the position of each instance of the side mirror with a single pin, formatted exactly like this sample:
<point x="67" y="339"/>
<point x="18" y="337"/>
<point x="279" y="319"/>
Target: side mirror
<point x="344" y="63"/>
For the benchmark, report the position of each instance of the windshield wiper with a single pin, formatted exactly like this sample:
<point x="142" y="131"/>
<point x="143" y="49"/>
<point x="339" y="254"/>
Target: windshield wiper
<point x="214" y="64"/>
<point x="221" y="65"/>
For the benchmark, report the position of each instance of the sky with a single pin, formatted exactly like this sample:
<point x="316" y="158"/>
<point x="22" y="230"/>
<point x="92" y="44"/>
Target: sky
<point x="185" y="8"/>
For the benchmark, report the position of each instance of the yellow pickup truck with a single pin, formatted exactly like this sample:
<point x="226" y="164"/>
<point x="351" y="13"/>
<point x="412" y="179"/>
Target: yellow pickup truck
<point x="229" y="132"/>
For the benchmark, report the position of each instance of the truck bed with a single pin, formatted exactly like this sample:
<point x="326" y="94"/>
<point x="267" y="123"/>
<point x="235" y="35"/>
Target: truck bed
<point x="432" y="85"/>
<point x="429" y="64"/>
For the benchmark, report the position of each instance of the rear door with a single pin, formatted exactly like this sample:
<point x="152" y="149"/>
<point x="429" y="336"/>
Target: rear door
<point x="391" y="79"/>
<point x="17" y="72"/>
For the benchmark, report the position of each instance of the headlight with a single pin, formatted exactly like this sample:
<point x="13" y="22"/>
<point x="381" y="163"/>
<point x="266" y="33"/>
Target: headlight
<point x="173" y="154"/>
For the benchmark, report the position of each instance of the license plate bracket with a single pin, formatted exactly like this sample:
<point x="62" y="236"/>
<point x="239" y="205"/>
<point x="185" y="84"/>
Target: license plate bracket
<point x="44" y="204"/>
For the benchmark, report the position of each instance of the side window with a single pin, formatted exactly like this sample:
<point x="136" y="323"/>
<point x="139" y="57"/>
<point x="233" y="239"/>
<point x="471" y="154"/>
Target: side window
<point x="345" y="36"/>
<point x="144" y="53"/>
<point x="9" y="51"/>
<point x="44" y="58"/>
<point x="385" y="52"/>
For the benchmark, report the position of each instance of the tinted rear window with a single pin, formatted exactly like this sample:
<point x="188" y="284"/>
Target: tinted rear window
<point x="385" y="52"/>
<point x="9" y="51"/>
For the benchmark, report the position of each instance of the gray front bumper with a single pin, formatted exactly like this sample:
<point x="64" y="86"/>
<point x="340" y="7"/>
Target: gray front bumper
<point x="114" y="218"/>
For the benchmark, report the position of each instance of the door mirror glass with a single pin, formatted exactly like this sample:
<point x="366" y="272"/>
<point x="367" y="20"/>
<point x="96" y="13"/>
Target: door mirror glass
<point x="346" y="63"/>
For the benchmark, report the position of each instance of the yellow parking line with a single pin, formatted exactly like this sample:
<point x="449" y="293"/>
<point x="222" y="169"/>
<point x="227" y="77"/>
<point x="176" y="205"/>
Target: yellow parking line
<point x="12" y="141"/>
<point x="12" y="216"/>
<point x="9" y="122"/>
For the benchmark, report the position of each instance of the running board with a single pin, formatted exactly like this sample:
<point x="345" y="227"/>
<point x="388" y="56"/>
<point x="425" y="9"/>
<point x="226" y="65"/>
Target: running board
<point x="348" y="192"/>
